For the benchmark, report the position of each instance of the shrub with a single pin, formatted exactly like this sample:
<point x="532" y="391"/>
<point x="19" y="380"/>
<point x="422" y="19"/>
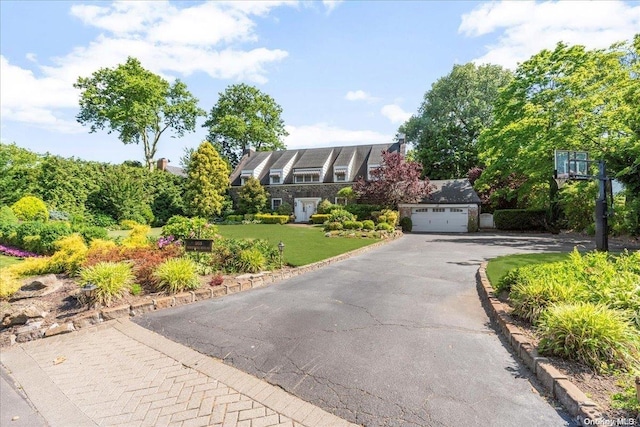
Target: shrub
<point x="91" y="232"/>
<point x="332" y="226"/>
<point x="102" y="220"/>
<point x="592" y="334"/>
<point x="138" y="238"/>
<point x="252" y="197"/>
<point x="216" y="280"/>
<point x="128" y="224"/>
<point x="251" y="260"/>
<point x="101" y="246"/>
<point x="70" y="254"/>
<point x="520" y="219"/>
<point x="112" y="279"/>
<point x="324" y="207"/>
<point x="383" y="226"/>
<point x="407" y="224"/>
<point x="39" y="237"/>
<point x="272" y="219"/>
<point x="8" y="223"/>
<point x="341" y="215"/>
<point x="32" y="267"/>
<point x="388" y="216"/>
<point x="182" y="228"/>
<point x="362" y="211"/>
<point x="177" y="275"/>
<point x="226" y="254"/>
<point x="30" y="208"/>
<point x="9" y="283"/>
<point x="368" y="224"/>
<point x="135" y="289"/>
<point x="319" y="218"/>
<point x="55" y="215"/>
<point x="234" y="218"/>
<point x="352" y="225"/>
<point x="285" y="209"/>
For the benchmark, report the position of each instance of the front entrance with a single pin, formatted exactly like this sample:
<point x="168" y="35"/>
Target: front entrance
<point x="305" y="207"/>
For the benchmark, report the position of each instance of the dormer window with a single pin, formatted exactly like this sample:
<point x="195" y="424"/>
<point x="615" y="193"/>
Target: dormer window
<point x="244" y="177"/>
<point x="275" y="179"/>
<point x="340" y="176"/>
<point x="306" y="175"/>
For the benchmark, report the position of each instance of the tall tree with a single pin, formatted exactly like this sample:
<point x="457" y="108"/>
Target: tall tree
<point x="207" y="181"/>
<point x="252" y="197"/>
<point x="395" y="181"/>
<point x="446" y="128"/>
<point x="568" y="98"/>
<point x="245" y="117"/>
<point x="19" y="169"/>
<point x="137" y="104"/>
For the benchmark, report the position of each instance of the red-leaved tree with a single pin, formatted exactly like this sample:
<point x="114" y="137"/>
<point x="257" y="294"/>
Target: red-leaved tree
<point x="395" y="181"/>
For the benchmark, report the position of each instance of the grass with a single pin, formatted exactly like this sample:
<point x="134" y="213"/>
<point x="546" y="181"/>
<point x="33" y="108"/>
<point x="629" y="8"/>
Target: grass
<point x="155" y="232"/>
<point x="303" y="245"/>
<point x="6" y="261"/>
<point x="498" y="267"/>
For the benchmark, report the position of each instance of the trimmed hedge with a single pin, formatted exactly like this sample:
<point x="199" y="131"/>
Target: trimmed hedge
<point x="319" y="218"/>
<point x="520" y="219"/>
<point x="407" y="224"/>
<point x="234" y="218"/>
<point x="362" y="211"/>
<point x="272" y="219"/>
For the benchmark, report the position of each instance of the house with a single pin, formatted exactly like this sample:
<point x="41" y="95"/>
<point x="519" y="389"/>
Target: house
<point x="452" y="206"/>
<point x="305" y="177"/>
<point x="163" y="165"/>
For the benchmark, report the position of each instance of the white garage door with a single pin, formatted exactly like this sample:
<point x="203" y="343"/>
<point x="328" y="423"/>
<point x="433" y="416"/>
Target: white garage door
<point x="440" y="220"/>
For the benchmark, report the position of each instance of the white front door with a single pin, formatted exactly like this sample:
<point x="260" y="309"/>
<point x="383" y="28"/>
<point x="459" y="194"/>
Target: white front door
<point x="304" y="208"/>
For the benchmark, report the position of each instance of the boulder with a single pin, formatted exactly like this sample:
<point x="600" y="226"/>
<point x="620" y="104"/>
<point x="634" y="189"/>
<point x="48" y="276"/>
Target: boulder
<point x="38" y="286"/>
<point x="21" y="314"/>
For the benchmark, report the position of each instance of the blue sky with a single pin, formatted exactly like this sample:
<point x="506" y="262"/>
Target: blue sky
<point x="344" y="72"/>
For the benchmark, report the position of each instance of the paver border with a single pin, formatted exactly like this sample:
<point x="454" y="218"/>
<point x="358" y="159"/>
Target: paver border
<point x="234" y="285"/>
<point x="583" y="409"/>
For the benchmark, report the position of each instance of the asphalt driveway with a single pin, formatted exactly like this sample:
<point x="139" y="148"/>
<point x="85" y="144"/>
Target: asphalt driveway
<point x="394" y="336"/>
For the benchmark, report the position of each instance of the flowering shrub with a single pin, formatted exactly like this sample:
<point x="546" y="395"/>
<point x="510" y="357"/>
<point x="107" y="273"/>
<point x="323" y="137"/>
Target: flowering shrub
<point x="7" y="250"/>
<point x="168" y="240"/>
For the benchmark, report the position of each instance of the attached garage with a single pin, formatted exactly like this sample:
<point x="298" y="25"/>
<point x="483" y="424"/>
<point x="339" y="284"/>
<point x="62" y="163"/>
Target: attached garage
<point x="452" y="207"/>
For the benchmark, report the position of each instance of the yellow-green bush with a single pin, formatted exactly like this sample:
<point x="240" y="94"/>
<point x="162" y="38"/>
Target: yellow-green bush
<point x="319" y="218"/>
<point x="138" y="238"/>
<point x="251" y="260"/>
<point x="177" y="275"/>
<point x="71" y="253"/>
<point x="101" y="245"/>
<point x="388" y="216"/>
<point x="30" y="208"/>
<point x="272" y="219"/>
<point x="9" y="283"/>
<point x="112" y="279"/>
<point x="33" y="267"/>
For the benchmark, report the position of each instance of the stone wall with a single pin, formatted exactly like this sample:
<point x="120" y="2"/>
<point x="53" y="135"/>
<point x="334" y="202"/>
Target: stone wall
<point x="288" y="192"/>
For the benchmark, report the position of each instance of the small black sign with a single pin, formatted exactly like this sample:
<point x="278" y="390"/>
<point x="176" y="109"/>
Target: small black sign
<point x="198" y="245"/>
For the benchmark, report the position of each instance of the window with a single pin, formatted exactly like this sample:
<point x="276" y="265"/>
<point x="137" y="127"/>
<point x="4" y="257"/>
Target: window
<point x="275" y="204"/>
<point x="455" y="210"/>
<point x="307" y="178"/>
<point x="341" y="201"/>
<point x="243" y="180"/>
<point x="421" y="210"/>
<point x="275" y="179"/>
<point x="438" y="209"/>
<point x="341" y="176"/>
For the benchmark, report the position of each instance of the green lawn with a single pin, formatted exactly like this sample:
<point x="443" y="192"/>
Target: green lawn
<point x="6" y="261"/>
<point x="303" y="245"/>
<point x="155" y="232"/>
<point x="498" y="267"/>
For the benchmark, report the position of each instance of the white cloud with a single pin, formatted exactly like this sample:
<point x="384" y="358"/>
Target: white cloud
<point x="325" y="135"/>
<point x="395" y="113"/>
<point x="167" y="39"/>
<point x="359" y="95"/>
<point x="528" y="27"/>
<point x="331" y="4"/>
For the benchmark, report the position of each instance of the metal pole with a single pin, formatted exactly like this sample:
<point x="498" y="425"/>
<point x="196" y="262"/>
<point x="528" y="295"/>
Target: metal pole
<point x="602" y="226"/>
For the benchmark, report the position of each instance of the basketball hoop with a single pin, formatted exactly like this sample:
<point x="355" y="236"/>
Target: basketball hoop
<point x="561" y="181"/>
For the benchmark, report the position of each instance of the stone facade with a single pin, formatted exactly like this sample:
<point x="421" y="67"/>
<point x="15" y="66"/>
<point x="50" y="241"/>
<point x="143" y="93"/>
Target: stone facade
<point x="289" y="192"/>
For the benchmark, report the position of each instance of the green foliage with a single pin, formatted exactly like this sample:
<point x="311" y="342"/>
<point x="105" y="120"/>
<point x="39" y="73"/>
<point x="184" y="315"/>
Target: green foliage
<point x="520" y="219"/>
<point x="167" y="190"/>
<point x="383" y="226"/>
<point x="628" y="398"/>
<point x="362" y="211"/>
<point x="182" y="228"/>
<point x="592" y="334"/>
<point x="407" y="224"/>
<point x="347" y="193"/>
<point x="352" y="225"/>
<point x="319" y="218"/>
<point x="90" y="232"/>
<point x="388" y="216"/>
<point x="18" y="174"/>
<point x="333" y="225"/>
<point x="111" y="279"/>
<point x="138" y="237"/>
<point x="30" y="208"/>
<point x="207" y="182"/>
<point x="272" y="219"/>
<point x="577" y="201"/>
<point x="8" y="223"/>
<point x="39" y="237"/>
<point x="455" y="110"/>
<point x="341" y="215"/>
<point x="567" y="98"/>
<point x="368" y="224"/>
<point x="177" y="275"/>
<point x="251" y="260"/>
<point x="32" y="267"/>
<point x="245" y="117"/>
<point x="324" y="207"/>
<point x="252" y="197"/>
<point x="137" y="104"/>
<point x="285" y="209"/>
<point x="102" y="220"/>
<point x="234" y="218"/>
<point x="70" y="253"/>
<point x="135" y="289"/>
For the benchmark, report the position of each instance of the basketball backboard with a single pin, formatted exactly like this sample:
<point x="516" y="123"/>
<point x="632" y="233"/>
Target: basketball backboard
<point x="571" y="164"/>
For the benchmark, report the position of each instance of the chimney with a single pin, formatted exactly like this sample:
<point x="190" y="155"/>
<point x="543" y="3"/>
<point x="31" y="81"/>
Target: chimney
<point x="402" y="145"/>
<point x="247" y="151"/>
<point x="162" y="164"/>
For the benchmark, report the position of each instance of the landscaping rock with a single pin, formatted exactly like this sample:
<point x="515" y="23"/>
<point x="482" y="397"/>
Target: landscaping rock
<point x="29" y="332"/>
<point x="38" y="286"/>
<point x="21" y="314"/>
<point x="56" y="329"/>
<point x="115" y="312"/>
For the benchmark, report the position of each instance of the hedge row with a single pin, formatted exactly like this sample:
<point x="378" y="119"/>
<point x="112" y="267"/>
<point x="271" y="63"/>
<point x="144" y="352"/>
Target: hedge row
<point x="520" y="219"/>
<point x="272" y="219"/>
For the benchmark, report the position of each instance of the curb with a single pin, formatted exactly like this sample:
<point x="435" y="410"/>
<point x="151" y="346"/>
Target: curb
<point x="577" y="404"/>
<point x="237" y="284"/>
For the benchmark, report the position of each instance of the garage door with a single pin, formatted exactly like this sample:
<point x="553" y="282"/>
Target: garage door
<point x="440" y="220"/>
